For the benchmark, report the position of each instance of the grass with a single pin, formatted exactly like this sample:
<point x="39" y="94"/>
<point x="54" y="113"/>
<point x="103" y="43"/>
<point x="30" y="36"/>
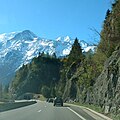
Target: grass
<point x="114" y="117"/>
<point x="93" y="107"/>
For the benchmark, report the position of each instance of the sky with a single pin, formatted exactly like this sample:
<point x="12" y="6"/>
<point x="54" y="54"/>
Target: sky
<point x="53" y="18"/>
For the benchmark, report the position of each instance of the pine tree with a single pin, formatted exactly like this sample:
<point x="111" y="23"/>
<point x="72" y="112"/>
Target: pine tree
<point x="76" y="52"/>
<point x="54" y="55"/>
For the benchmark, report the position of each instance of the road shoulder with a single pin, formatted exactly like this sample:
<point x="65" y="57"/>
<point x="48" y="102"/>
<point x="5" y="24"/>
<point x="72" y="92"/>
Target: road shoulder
<point x="91" y="112"/>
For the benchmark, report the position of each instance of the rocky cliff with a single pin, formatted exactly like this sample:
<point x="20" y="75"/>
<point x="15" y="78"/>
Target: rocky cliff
<point x="103" y="91"/>
<point x="107" y="86"/>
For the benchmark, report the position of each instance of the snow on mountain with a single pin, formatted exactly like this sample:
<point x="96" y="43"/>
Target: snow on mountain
<point x="18" y="48"/>
<point x="7" y="36"/>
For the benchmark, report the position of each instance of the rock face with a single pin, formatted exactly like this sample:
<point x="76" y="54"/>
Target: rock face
<point x="106" y="90"/>
<point x="86" y="83"/>
<point x="71" y="87"/>
<point x="107" y="86"/>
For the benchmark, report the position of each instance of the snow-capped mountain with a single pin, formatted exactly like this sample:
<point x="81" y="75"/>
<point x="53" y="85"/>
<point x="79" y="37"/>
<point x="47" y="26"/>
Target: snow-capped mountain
<point x="18" y="48"/>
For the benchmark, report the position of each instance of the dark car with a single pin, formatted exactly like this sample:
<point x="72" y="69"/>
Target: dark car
<point x="58" y="101"/>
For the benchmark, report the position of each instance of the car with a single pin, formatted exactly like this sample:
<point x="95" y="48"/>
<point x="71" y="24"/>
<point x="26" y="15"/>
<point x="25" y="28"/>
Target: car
<point x="58" y="101"/>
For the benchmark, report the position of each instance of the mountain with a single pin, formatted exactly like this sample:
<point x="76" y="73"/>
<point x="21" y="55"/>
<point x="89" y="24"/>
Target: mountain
<point x="18" y="48"/>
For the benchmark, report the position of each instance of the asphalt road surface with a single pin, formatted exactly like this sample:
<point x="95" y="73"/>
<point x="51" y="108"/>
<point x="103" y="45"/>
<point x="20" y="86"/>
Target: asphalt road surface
<point x="45" y="111"/>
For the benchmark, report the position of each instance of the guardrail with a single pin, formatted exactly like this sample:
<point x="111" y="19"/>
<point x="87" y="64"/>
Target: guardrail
<point x="14" y="105"/>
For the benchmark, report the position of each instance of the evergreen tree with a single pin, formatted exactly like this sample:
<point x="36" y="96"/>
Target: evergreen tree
<point x="107" y="13"/>
<point x="54" y="55"/>
<point x="75" y="53"/>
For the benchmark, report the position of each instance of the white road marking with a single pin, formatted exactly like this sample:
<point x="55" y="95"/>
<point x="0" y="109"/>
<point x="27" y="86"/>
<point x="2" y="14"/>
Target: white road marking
<point x="39" y="110"/>
<point x="45" y="106"/>
<point x="76" y="114"/>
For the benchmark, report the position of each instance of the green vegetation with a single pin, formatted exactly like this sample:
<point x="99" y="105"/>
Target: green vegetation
<point x="93" y="107"/>
<point x="114" y="117"/>
<point x="75" y="53"/>
<point x="111" y="28"/>
<point x="75" y="76"/>
<point x="4" y="93"/>
<point x="40" y="76"/>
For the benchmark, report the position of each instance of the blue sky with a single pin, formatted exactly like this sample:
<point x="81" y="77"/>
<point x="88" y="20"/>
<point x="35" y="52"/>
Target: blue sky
<point x="53" y="18"/>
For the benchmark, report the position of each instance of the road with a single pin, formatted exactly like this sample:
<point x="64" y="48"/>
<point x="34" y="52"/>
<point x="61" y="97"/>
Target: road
<point x="45" y="111"/>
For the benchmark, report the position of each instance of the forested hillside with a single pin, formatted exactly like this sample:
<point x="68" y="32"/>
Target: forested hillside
<point x="95" y="78"/>
<point x="92" y="78"/>
<point x="42" y="74"/>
